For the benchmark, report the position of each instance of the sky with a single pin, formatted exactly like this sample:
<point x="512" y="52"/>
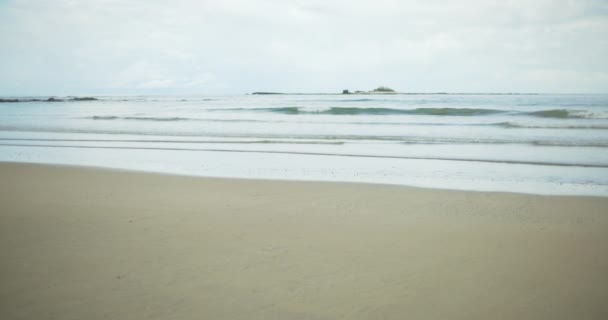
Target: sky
<point x="70" y="47"/>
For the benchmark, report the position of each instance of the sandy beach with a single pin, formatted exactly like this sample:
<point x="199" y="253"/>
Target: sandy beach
<point x="82" y="243"/>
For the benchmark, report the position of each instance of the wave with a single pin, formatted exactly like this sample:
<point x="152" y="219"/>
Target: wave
<point x="156" y="118"/>
<point x="507" y="124"/>
<point x="456" y="111"/>
<point x="373" y="111"/>
<point x="257" y="141"/>
<point x="138" y="118"/>
<point x="516" y="125"/>
<point x="361" y="100"/>
<point x="353" y="100"/>
<point x="180" y="119"/>
<point x="552" y="113"/>
<point x="340" y="138"/>
<point x="557" y="113"/>
<point x="103" y="117"/>
<point x="516" y="162"/>
<point x="569" y="114"/>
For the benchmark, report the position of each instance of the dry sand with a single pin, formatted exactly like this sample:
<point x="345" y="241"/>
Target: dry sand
<point x="78" y="243"/>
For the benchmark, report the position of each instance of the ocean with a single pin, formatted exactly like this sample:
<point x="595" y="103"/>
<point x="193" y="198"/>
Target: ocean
<point x="527" y="143"/>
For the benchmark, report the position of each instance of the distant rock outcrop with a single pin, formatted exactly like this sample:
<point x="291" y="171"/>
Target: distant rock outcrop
<point x="267" y="93"/>
<point x="379" y="90"/>
<point x="383" y="89"/>
<point x="83" y="99"/>
<point x="51" y="99"/>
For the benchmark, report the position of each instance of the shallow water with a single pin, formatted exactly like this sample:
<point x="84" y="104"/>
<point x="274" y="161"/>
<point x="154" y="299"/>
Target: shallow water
<point x="548" y="144"/>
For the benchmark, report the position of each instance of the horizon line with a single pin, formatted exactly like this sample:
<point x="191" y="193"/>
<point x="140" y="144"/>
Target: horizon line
<point x="300" y="93"/>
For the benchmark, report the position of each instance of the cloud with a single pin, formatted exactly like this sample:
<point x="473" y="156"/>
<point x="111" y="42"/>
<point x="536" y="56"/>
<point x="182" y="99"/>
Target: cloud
<point x="147" y="75"/>
<point x="237" y="46"/>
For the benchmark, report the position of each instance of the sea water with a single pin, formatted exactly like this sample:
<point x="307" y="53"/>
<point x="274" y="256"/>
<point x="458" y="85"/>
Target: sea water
<point x="546" y="144"/>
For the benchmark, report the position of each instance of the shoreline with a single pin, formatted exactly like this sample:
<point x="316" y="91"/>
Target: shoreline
<point x="97" y="243"/>
<point x="535" y="144"/>
<point x="288" y="180"/>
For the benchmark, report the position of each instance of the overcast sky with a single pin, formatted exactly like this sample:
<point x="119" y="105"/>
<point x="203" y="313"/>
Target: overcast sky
<point x="238" y="46"/>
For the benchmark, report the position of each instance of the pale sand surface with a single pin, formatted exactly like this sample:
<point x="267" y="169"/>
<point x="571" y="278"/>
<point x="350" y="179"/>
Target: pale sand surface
<point x="79" y="243"/>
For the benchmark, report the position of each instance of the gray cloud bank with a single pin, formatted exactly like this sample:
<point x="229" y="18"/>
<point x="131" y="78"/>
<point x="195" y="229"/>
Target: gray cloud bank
<point x="238" y="46"/>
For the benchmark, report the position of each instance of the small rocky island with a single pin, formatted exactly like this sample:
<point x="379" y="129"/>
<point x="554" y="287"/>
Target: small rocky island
<point x="379" y="90"/>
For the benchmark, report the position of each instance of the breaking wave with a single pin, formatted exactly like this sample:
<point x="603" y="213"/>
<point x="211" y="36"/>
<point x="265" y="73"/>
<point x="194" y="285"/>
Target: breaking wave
<point x="552" y="113"/>
<point x="138" y="118"/>
<point x="540" y="126"/>
<point x="374" y="111"/>
<point x="569" y="114"/>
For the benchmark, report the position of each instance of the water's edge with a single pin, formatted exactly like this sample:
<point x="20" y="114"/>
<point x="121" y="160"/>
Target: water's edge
<point x="403" y="187"/>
